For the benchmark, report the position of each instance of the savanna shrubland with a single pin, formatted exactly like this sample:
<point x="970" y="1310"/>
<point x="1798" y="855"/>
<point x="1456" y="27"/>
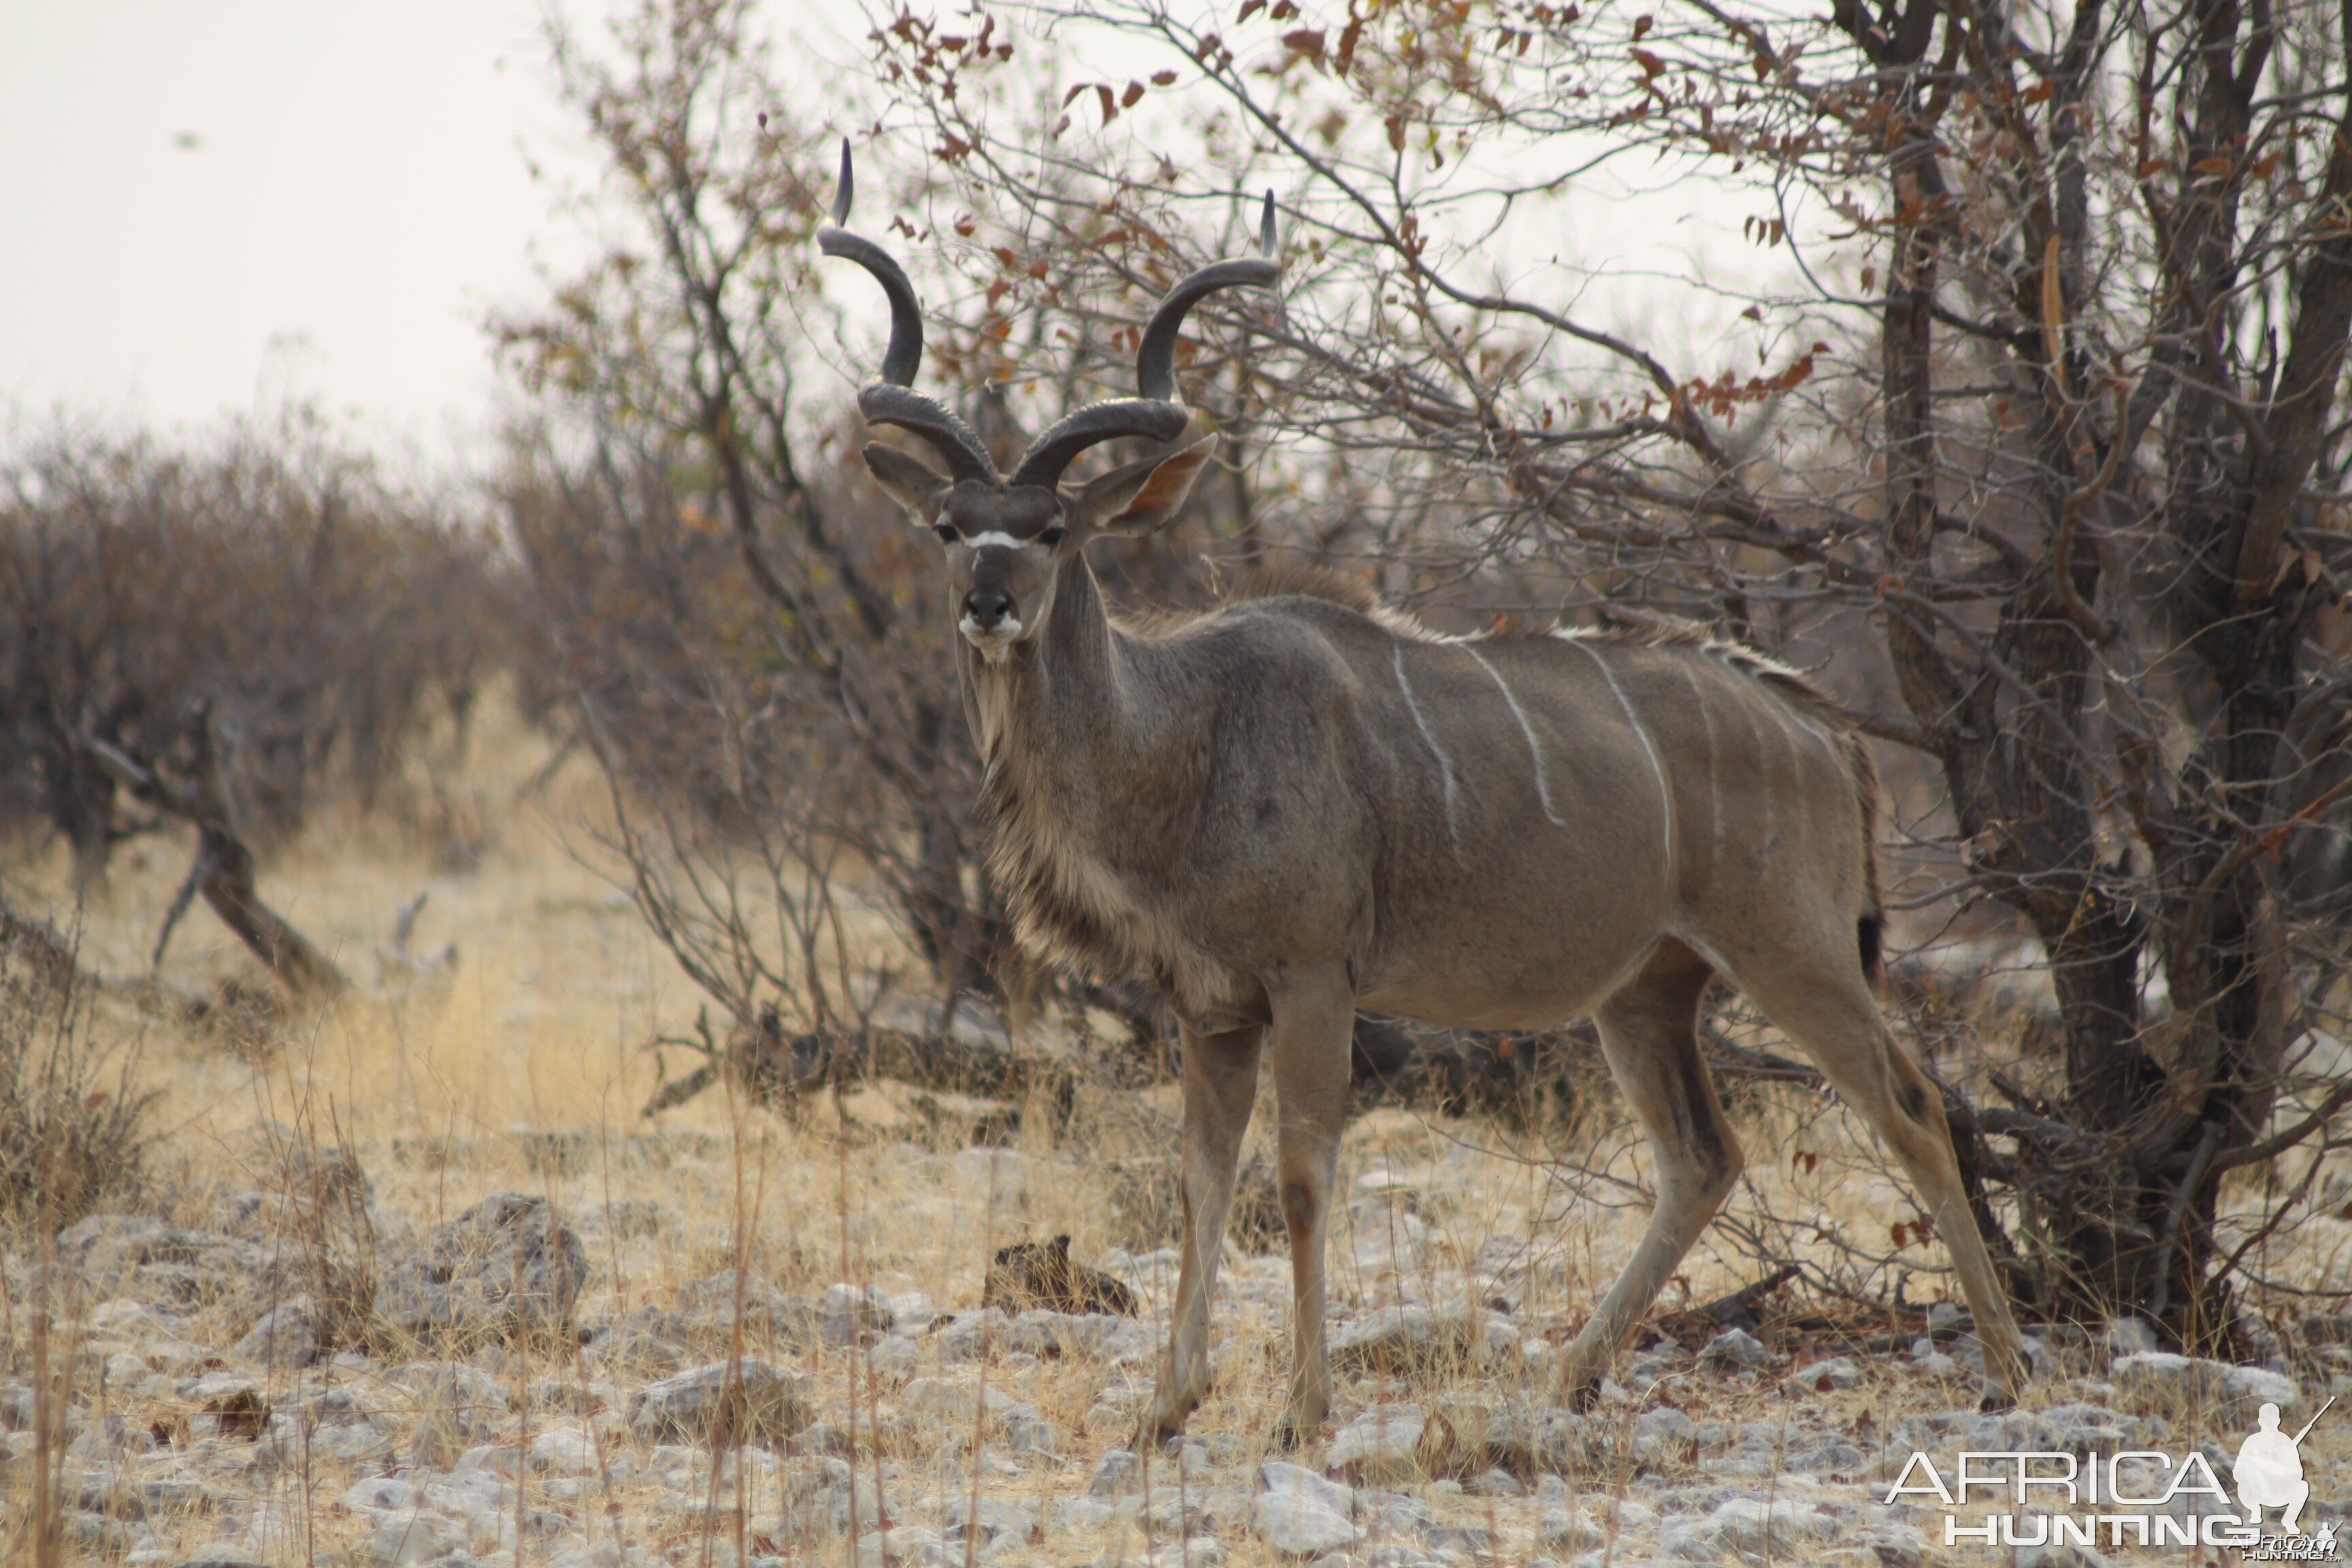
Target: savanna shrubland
<point x="2071" y="556"/>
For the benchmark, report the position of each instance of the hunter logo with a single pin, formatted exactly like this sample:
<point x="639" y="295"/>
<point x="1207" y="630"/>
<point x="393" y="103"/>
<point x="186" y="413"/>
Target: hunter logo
<point x="2137" y="1497"/>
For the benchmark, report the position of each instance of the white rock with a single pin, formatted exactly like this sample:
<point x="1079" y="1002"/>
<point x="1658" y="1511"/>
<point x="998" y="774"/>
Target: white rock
<point x="719" y="1403"/>
<point x="2250" y="1387"/>
<point x="1085" y="1512"/>
<point x="953" y="1399"/>
<point x="1896" y="1545"/>
<point x="380" y="1494"/>
<point x="1736" y="1347"/>
<point x="1273" y="1476"/>
<point x="1782" y="1529"/>
<point x="1838" y="1371"/>
<point x="1114" y="1474"/>
<point x="2192" y="1384"/>
<point x="897" y="1359"/>
<point x="407" y="1538"/>
<point x="847" y="1311"/>
<point x="563" y="1451"/>
<point x="1664" y="1429"/>
<point x="287" y="1335"/>
<point x="1298" y="1523"/>
<point x="1379" y="1445"/>
<point x="1569" y="1530"/>
<point x="911" y="1311"/>
<point x="906" y="1543"/>
<point x="1001" y="1520"/>
<point x="124" y="1319"/>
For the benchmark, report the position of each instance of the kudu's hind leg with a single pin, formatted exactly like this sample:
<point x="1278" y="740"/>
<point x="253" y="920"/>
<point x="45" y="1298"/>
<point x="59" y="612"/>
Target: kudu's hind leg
<point x="1649" y="1033"/>
<point x="1314" y="1017"/>
<point x="1826" y="1006"/>
<point x="1220" y="1086"/>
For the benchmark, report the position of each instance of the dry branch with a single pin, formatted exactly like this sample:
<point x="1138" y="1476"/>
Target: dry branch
<point x="223" y="868"/>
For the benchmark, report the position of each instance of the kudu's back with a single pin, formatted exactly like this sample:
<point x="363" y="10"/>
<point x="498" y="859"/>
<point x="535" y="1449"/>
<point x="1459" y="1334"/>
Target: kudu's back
<point x="1492" y="832"/>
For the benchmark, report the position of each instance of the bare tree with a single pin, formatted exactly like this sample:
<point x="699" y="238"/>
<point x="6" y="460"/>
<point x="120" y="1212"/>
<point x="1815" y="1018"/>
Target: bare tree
<point x="2051" y="412"/>
<point x="780" y="708"/>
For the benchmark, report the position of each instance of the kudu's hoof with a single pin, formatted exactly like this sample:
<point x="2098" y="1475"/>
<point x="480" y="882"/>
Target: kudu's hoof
<point x="1157" y="1431"/>
<point x="1996" y="1400"/>
<point x="1581" y="1397"/>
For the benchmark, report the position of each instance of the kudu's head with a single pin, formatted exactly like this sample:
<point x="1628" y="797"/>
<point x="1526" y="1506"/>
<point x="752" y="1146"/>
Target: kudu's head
<point x="1008" y="536"/>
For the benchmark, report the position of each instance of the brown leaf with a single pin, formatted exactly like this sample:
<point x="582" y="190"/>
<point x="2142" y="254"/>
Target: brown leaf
<point x="1249" y="9"/>
<point x="1132" y="96"/>
<point x="1110" y="105"/>
<point x="1346" y="56"/>
<point x="1651" y="64"/>
<point x="1642" y="25"/>
<point x="1395" y="122"/>
<point x="1307" y="41"/>
<point x="2213" y="165"/>
<point x="1163" y="78"/>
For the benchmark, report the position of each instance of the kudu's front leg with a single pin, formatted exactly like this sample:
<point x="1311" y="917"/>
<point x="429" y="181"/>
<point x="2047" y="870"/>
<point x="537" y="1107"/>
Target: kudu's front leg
<point x="1314" y="1018"/>
<point x="1220" y="1086"/>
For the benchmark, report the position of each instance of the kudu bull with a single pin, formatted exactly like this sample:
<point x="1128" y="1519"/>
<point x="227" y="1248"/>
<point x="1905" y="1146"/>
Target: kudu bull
<point x="1290" y="807"/>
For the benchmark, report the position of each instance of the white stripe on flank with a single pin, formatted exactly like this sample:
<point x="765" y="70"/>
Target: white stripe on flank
<point x="1444" y="764"/>
<point x="995" y="539"/>
<point x="1817" y="733"/>
<point x="1782" y="718"/>
<point x="1665" y="794"/>
<point x="1714" y="783"/>
<point x="1534" y="747"/>
<point x="1767" y="795"/>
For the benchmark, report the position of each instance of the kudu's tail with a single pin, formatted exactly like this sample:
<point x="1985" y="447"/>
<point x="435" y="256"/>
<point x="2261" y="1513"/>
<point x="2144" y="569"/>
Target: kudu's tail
<point x="1870" y="929"/>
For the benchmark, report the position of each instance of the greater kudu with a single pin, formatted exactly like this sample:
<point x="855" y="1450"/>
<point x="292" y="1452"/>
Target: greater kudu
<point x="1287" y="809"/>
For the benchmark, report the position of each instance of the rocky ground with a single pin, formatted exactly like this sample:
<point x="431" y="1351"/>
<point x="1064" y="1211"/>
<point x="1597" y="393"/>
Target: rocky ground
<point x="311" y="1375"/>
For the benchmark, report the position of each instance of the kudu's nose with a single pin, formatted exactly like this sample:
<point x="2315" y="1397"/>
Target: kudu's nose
<point x="987" y="607"/>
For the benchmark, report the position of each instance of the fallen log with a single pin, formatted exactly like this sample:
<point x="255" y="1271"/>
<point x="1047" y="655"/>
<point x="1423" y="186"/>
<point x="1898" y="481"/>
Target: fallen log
<point x="779" y="1070"/>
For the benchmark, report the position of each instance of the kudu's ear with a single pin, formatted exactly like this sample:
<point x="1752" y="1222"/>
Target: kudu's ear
<point x="1144" y="495"/>
<point x="909" y="482"/>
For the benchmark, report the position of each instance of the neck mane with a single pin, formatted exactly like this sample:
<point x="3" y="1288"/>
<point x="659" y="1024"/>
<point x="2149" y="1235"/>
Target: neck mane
<point x="1075" y="754"/>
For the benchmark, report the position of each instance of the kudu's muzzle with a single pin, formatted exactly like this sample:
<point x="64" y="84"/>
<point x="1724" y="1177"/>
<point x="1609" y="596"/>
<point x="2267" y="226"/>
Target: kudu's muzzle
<point x="987" y="608"/>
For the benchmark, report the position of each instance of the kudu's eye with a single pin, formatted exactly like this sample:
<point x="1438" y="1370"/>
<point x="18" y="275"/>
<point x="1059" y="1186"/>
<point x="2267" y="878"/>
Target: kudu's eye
<point x="1051" y="538"/>
<point x="946" y="531"/>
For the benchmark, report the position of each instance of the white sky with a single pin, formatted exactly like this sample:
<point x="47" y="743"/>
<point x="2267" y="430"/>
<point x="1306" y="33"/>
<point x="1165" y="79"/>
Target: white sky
<point x="356" y="196"/>
<point x="215" y="207"/>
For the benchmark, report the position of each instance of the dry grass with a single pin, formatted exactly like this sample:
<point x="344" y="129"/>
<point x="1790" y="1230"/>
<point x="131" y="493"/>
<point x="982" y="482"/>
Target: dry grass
<point x="524" y="1070"/>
